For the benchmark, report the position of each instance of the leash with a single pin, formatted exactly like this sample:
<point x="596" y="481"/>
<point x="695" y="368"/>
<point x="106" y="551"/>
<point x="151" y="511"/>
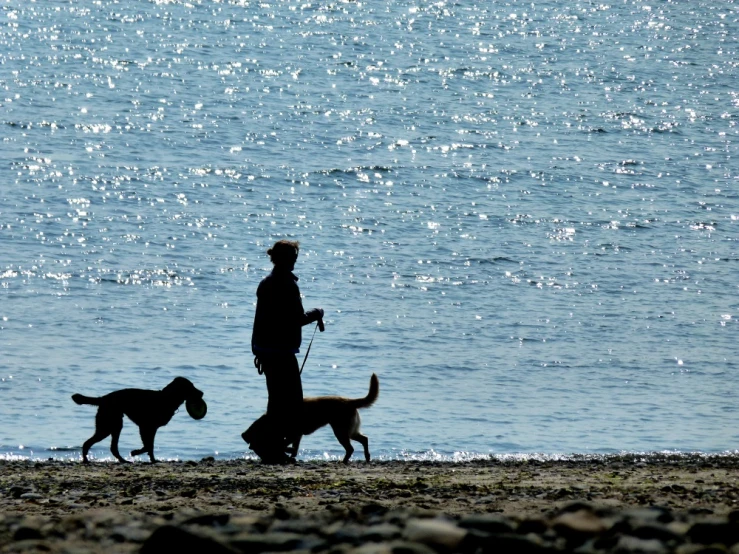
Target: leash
<point x="258" y="364"/>
<point x="308" y="351"/>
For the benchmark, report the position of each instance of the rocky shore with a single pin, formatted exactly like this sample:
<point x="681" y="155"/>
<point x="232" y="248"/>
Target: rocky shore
<point x="652" y="504"/>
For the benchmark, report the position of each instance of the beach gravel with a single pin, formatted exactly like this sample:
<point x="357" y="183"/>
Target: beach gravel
<point x="654" y="503"/>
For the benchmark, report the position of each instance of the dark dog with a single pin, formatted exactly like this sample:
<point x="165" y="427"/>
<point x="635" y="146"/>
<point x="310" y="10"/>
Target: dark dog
<point x="338" y="412"/>
<point x="149" y="409"/>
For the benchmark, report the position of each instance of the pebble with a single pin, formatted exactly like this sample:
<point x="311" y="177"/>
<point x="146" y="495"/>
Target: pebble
<point x="489" y="523"/>
<point x="31" y="496"/>
<point x="437" y="533"/>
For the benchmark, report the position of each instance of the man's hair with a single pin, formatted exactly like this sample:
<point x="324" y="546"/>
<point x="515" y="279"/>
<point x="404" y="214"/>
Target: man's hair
<point x="284" y="251"/>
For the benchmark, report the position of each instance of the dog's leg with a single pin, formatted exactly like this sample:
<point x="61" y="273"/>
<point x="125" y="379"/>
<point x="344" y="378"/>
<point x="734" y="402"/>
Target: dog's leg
<point x="348" y="447"/>
<point x="343" y="438"/>
<point x="344" y="429"/>
<point x="97" y="437"/>
<point x="295" y="445"/>
<point x="364" y="441"/>
<point x="116" y="433"/>
<point x="104" y="426"/>
<point x="147" y="438"/>
<point x="150" y="443"/>
<point x="143" y="449"/>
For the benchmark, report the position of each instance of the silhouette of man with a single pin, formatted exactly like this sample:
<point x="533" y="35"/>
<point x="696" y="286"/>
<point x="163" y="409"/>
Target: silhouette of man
<point x="276" y="338"/>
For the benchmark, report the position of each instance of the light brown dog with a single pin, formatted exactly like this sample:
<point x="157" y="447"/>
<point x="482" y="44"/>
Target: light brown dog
<point x="341" y="414"/>
<point x="338" y="412"/>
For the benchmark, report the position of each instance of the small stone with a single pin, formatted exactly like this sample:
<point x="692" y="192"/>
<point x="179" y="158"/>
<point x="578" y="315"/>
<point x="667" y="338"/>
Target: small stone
<point x="270" y="542"/>
<point x="701" y="549"/>
<point x="344" y="532"/>
<point x="339" y="549"/>
<point x="502" y="542"/>
<point x="578" y="526"/>
<point x="243" y="521"/>
<point x="25" y="532"/>
<point x="172" y="539"/>
<point x="301" y="526"/>
<point x="535" y="525"/>
<point x="436" y="533"/>
<point x="208" y="520"/>
<point x="127" y="533"/>
<point x="402" y="547"/>
<point x="281" y="512"/>
<point x="700" y="510"/>
<point x="490" y="523"/>
<point x="710" y="532"/>
<point x="656" y="531"/>
<point x="31" y="546"/>
<point x="632" y="544"/>
<point x="649" y="514"/>
<point x="679" y="527"/>
<point x="16" y="491"/>
<point x="373" y="548"/>
<point x="577" y="506"/>
<point x="373" y="508"/>
<point x="381" y="532"/>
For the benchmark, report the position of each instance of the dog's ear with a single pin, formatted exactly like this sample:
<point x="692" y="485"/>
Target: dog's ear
<point x="179" y="384"/>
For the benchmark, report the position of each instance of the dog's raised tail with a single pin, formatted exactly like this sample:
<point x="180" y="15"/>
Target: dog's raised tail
<point x="374" y="392"/>
<point x="81" y="399"/>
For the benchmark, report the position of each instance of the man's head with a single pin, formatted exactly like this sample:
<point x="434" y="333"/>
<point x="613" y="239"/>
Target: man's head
<point x="284" y="253"/>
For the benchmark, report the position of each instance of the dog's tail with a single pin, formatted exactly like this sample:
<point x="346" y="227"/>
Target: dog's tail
<point x="80" y="399"/>
<point x="374" y="392"/>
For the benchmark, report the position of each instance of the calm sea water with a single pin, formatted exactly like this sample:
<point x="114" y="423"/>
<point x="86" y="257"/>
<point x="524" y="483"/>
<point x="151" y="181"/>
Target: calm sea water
<point x="524" y="217"/>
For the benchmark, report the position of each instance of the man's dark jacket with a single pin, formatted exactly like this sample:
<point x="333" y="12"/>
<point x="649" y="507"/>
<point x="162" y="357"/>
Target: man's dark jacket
<point x="280" y="315"/>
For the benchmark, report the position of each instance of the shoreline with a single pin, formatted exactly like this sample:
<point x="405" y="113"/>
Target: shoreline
<point x="102" y="455"/>
<point x="129" y="503"/>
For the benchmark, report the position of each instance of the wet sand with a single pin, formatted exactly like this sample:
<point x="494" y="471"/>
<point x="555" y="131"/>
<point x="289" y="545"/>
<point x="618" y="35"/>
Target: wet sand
<point x="121" y="507"/>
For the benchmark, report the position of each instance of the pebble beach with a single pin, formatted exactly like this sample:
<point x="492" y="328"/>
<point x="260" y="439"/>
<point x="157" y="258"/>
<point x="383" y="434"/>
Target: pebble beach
<point x="630" y="503"/>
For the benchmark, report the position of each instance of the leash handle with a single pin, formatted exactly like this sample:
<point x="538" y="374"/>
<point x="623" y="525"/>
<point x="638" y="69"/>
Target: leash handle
<point x="309" y="345"/>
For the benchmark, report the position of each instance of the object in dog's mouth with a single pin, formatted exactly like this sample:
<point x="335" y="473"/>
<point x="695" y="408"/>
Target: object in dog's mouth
<point x="196" y="408"/>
